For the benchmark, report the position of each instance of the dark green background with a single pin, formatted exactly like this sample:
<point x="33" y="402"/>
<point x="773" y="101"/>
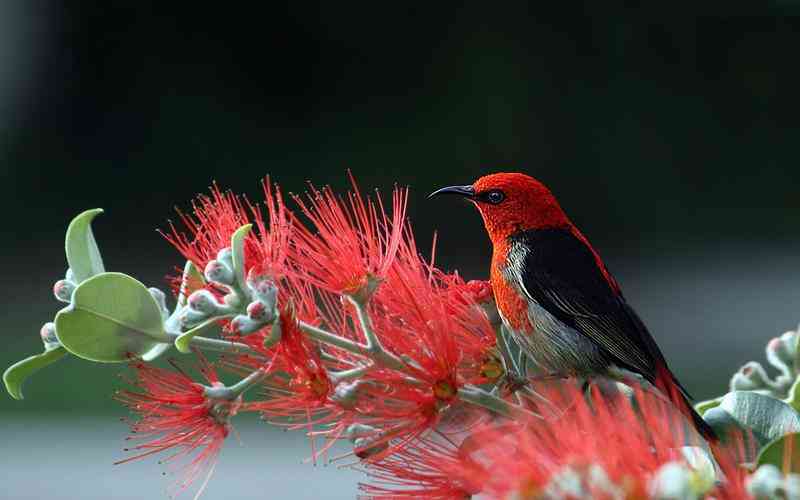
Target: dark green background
<point x="671" y="141"/>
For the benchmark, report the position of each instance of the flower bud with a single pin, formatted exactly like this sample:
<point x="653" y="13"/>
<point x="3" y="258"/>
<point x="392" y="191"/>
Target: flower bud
<point x="766" y="483"/>
<point x="346" y="394"/>
<point x="189" y="318"/>
<point x="364" y="439"/>
<point x="263" y="289"/>
<point x="48" y="334"/>
<point x="566" y="483"/>
<point x="673" y="481"/>
<point x="257" y="311"/>
<point x="781" y="351"/>
<point x="160" y="298"/>
<point x="63" y="289"/>
<point x="750" y="377"/>
<point x="243" y="325"/>
<point x="226" y="257"/>
<point x="203" y="301"/>
<point x="216" y="271"/>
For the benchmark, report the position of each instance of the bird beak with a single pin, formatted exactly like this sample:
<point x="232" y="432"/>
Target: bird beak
<point x="465" y="191"/>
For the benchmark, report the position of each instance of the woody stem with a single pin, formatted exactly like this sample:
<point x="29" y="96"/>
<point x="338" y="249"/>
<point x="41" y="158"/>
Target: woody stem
<point x="467" y="393"/>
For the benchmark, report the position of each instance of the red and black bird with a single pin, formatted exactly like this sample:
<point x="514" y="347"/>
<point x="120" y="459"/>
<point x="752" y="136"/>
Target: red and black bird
<point x="555" y="294"/>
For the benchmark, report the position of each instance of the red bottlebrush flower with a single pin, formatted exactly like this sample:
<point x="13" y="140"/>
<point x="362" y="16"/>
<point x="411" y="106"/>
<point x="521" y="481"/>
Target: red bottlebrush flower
<point x="607" y="449"/>
<point x="218" y="215"/>
<point x="176" y="416"/>
<point x="431" y="318"/>
<point x="428" y="468"/>
<point x="215" y="218"/>
<point x="305" y="388"/>
<point x="354" y="240"/>
<point x="268" y="249"/>
<point x="593" y="448"/>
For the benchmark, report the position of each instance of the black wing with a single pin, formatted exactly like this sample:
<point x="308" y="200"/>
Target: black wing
<point x="561" y="273"/>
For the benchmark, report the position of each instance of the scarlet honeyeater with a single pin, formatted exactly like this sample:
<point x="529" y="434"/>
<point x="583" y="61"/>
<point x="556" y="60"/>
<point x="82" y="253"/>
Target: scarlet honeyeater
<point x="555" y="294"/>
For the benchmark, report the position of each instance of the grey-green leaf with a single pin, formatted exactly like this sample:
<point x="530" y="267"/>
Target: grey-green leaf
<point x="767" y="417"/>
<point x="192" y="280"/>
<point x="781" y="451"/>
<point x="83" y="255"/>
<point x="112" y="318"/>
<point x="793" y="398"/>
<point x="704" y="406"/>
<point x="16" y="374"/>
<point x="237" y="249"/>
<point x="184" y="342"/>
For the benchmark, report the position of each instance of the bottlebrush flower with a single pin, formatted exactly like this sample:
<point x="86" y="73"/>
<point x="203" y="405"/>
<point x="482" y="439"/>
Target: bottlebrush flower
<point x="600" y="449"/>
<point x="353" y="241"/>
<point x="301" y="386"/>
<point x="608" y="448"/>
<point x="217" y="216"/>
<point x="176" y="415"/>
<point x="428" y="468"/>
<point x="214" y="219"/>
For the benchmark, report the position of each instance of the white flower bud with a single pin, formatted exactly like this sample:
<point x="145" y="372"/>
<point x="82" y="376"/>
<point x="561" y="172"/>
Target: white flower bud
<point x="263" y="289"/>
<point x="780" y="352"/>
<point x="244" y="326"/>
<point x="566" y="483"/>
<point x="672" y="481"/>
<point x="257" y="311"/>
<point x="226" y="257"/>
<point x="161" y="299"/>
<point x="346" y="394"/>
<point x="364" y="439"/>
<point x="767" y="483"/>
<point x="750" y="377"/>
<point x="63" y="289"/>
<point x="48" y="334"/>
<point x="218" y="272"/>
<point x="190" y="318"/>
<point x="203" y="301"/>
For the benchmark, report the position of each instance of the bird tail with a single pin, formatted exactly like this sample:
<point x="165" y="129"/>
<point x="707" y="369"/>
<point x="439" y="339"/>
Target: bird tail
<point x="677" y="394"/>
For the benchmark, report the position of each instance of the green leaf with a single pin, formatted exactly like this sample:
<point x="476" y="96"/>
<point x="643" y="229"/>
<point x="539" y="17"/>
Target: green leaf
<point x="767" y="417"/>
<point x="16" y="374"/>
<point x="184" y="341"/>
<point x="192" y="280"/>
<point x="83" y="255"/>
<point x="704" y="406"/>
<point x="112" y="318"/>
<point x="237" y="251"/>
<point x="731" y="433"/>
<point x="793" y="398"/>
<point x="782" y="450"/>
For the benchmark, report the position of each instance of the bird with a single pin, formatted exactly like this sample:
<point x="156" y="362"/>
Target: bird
<point x="557" y="298"/>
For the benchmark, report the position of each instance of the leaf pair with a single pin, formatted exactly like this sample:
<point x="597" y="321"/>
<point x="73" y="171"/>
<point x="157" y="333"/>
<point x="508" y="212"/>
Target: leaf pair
<point x="111" y="318"/>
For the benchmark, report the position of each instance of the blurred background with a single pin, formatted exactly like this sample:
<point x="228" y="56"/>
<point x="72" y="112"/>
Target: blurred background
<point x="671" y="141"/>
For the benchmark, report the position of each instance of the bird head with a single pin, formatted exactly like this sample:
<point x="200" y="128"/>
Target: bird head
<point x="511" y="202"/>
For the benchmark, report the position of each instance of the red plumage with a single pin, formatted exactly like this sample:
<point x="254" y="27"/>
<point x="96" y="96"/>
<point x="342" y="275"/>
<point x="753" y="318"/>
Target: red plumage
<point x="556" y="296"/>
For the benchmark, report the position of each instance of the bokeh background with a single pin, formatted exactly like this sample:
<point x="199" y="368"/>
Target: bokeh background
<point x="671" y="140"/>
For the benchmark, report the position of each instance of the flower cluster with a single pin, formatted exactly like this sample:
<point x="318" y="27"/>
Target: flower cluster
<point x="329" y="320"/>
<point x="180" y="416"/>
<point x="352" y="333"/>
<point x="599" y="445"/>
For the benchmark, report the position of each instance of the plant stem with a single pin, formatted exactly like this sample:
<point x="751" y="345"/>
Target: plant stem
<point x="234" y="391"/>
<point x="217" y="345"/>
<point x="329" y="338"/>
<point x="374" y="346"/>
<point x="477" y="396"/>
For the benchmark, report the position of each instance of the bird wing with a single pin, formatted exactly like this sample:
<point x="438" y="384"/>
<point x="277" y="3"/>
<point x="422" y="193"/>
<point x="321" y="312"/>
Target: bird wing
<point x="562" y="274"/>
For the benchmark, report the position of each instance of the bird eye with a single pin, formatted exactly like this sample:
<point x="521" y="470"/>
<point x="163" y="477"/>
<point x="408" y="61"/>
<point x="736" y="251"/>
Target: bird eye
<point x="495" y="196"/>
